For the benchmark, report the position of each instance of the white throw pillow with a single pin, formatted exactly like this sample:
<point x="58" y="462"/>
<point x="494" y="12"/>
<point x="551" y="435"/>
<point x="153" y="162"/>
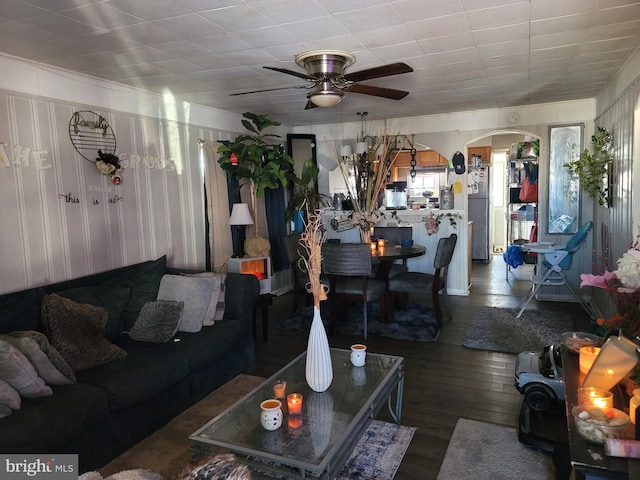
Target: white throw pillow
<point x="195" y="292"/>
<point x="215" y="311"/>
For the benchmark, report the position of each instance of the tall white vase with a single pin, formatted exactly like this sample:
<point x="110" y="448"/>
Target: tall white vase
<point x="319" y="371"/>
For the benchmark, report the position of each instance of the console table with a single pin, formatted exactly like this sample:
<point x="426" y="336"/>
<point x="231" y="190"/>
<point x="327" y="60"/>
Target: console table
<point x="587" y="459"/>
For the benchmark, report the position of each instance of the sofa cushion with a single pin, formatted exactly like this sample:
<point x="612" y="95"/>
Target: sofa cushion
<point x="30" y="349"/>
<point x="209" y="344"/>
<point x="5" y="411"/>
<point x="144" y="280"/>
<point x="17" y="371"/>
<point x="144" y="372"/>
<point x="195" y="292"/>
<point x="21" y="310"/>
<point x="76" y="330"/>
<point x="45" y="423"/>
<point x="112" y="298"/>
<point x="9" y="396"/>
<point x="157" y="322"/>
<point x="52" y="354"/>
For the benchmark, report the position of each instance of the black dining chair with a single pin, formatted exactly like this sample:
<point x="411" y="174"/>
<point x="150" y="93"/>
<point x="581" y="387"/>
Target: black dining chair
<point x="418" y="282"/>
<point x="295" y="251"/>
<point x="348" y="267"/>
<point x="395" y="235"/>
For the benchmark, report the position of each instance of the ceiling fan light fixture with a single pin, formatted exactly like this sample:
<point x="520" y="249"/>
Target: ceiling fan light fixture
<point x="325" y="98"/>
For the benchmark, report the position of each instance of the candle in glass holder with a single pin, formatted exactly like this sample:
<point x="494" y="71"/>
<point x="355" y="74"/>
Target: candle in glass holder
<point x="597" y="397"/>
<point x="279" y="389"/>
<point x="380" y="242"/>
<point x="588" y="355"/>
<point x="374" y="245"/>
<point x="294" y="403"/>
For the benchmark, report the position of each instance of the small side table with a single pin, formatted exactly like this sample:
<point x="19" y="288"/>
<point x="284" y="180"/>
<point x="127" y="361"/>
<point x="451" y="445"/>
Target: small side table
<point x="264" y="301"/>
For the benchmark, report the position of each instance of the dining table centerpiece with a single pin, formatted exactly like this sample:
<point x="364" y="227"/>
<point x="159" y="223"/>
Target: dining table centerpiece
<point x="366" y="173"/>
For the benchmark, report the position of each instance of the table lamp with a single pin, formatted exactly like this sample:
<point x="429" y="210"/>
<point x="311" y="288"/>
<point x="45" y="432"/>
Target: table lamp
<point x="240" y="217"/>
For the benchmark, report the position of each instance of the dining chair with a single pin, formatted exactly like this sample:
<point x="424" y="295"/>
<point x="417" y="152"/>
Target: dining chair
<point x="395" y="235"/>
<point x="556" y="262"/>
<point x="348" y="267"/>
<point x="419" y="282"/>
<point x="298" y="271"/>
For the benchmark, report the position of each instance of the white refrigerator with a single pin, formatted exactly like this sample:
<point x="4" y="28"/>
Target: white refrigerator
<point x="479" y="214"/>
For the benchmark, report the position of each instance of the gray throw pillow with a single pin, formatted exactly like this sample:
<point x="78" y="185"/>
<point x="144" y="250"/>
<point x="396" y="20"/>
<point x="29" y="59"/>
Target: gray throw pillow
<point x="196" y="294"/>
<point x="52" y="354"/>
<point x="158" y="321"/>
<point x="9" y="396"/>
<point x="30" y="349"/>
<point x="77" y="330"/>
<point x="17" y="371"/>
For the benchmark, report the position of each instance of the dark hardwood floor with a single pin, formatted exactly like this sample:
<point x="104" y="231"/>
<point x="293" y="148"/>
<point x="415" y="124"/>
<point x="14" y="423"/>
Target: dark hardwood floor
<point x="443" y="380"/>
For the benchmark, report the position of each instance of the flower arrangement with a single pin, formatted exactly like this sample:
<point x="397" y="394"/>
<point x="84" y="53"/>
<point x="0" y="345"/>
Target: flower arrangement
<point x="432" y="221"/>
<point x="311" y="241"/>
<point x="109" y="164"/>
<point x="623" y="285"/>
<point x="365" y="176"/>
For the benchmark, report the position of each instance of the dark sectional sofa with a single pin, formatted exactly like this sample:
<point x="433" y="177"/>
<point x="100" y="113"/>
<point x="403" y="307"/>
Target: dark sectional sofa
<point x="115" y="405"/>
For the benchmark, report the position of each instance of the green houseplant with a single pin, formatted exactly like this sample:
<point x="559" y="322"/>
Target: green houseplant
<point x="253" y="160"/>
<point x="304" y="195"/>
<point x="592" y="168"/>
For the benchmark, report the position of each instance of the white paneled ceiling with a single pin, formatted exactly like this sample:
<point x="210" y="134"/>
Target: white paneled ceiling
<point x="466" y="54"/>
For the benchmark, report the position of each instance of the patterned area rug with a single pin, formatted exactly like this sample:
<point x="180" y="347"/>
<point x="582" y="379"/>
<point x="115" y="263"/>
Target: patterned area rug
<point x="415" y="323"/>
<point x="484" y="451"/>
<point x="167" y="451"/>
<point x="499" y="330"/>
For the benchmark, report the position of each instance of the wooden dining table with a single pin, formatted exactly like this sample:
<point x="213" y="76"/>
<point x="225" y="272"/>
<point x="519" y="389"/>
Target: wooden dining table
<point x="386" y="255"/>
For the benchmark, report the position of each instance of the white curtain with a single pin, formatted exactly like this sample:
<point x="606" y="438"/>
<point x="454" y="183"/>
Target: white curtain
<point x="215" y="180"/>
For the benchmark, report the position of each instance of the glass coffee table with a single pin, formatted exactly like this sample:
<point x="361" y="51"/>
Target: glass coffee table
<point x="318" y="442"/>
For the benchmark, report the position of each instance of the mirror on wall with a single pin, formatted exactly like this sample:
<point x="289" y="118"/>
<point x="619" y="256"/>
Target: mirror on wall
<point x="301" y="147"/>
<point x="565" y="145"/>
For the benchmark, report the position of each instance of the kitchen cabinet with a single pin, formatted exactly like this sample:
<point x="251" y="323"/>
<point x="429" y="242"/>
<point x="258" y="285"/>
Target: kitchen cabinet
<point x="482" y="152"/>
<point x="424" y="158"/>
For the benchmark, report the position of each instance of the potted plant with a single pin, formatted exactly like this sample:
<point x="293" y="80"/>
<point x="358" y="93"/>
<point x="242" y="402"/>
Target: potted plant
<point x="255" y="162"/>
<point x="592" y="168"/>
<point x="305" y="195"/>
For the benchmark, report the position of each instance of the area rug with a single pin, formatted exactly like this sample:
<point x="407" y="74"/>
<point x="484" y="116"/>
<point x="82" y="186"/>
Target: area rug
<point x="415" y="323"/>
<point x="167" y="451"/>
<point x="484" y="451"/>
<point x="498" y="329"/>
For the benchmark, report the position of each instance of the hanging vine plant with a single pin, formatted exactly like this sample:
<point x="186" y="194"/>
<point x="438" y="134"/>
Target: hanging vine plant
<point x="593" y="169"/>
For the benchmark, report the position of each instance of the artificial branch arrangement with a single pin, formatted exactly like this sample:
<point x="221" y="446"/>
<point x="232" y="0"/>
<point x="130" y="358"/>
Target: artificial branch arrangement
<point x="311" y="241"/>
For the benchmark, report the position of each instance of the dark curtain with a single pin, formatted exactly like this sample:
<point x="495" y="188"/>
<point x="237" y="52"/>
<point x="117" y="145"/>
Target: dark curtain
<point x="233" y="192"/>
<point x="275" y="207"/>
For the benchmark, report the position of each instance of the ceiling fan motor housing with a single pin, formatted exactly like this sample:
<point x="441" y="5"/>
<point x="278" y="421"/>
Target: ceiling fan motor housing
<point x="325" y="63"/>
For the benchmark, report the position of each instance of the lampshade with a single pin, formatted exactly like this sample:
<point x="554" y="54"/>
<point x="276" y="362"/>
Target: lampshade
<point x="361" y="147"/>
<point x="325" y="98"/>
<point x="345" y="150"/>
<point x="240" y="215"/>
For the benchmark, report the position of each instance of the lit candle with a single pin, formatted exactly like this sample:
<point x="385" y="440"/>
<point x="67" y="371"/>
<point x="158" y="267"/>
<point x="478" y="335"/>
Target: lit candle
<point x="279" y="389"/>
<point x="597" y="397"/>
<point x="588" y="355"/>
<point x="373" y="247"/>
<point x="381" y="243"/>
<point x="294" y="403"/>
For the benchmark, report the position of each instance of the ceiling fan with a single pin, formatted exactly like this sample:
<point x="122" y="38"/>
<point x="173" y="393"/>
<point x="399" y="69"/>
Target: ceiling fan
<point x="328" y="82"/>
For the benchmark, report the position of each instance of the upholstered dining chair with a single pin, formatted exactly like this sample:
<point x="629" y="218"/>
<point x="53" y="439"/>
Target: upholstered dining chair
<point x="300" y="276"/>
<point x="418" y="282"/>
<point x="395" y="235"/>
<point x="348" y="267"/>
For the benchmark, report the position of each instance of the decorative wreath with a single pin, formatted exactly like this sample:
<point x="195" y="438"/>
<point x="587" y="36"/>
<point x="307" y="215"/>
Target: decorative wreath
<point x="109" y="164"/>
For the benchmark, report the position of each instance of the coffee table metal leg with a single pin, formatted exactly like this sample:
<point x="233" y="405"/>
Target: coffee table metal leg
<point x="397" y="414"/>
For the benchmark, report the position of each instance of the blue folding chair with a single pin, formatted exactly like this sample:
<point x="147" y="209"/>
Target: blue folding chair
<point x="556" y="262"/>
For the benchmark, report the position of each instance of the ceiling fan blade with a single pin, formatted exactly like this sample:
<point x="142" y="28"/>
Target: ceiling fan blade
<point x="292" y="72"/>
<point x="377" y="72"/>
<point x="271" y="90"/>
<point x="377" y="91"/>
